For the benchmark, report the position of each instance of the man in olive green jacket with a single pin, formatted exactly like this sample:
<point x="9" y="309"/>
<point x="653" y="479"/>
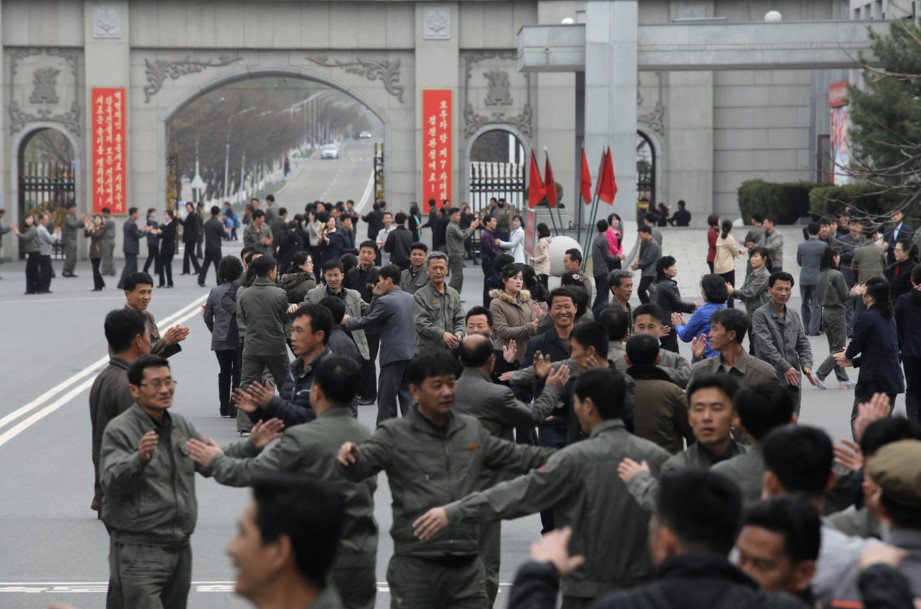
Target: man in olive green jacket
<point x="499" y="411"/>
<point x="128" y="337"/>
<point x="263" y="307"/>
<point x="70" y="234"/>
<point x="311" y="449"/>
<point x="454" y="247"/>
<point x="437" y="309"/>
<point x="580" y="483"/>
<point x="433" y="456"/>
<point x="149" y="504"/>
<point x="138" y="294"/>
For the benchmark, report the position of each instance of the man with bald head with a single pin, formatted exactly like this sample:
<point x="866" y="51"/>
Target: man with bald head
<point x="499" y="411"/>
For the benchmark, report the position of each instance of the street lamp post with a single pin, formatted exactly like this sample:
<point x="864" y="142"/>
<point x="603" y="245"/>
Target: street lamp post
<point x="227" y="150"/>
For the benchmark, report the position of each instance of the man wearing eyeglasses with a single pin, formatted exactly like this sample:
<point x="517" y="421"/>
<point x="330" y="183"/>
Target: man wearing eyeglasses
<point x="148" y="482"/>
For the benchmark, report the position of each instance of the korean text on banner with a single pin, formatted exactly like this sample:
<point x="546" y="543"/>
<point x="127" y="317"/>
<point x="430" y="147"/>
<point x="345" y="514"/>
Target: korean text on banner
<point x="437" y="113"/>
<point x="109" y="147"/>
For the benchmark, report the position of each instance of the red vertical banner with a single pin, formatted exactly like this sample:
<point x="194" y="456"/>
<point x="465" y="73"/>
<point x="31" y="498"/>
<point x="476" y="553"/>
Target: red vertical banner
<point x="437" y="114"/>
<point x="109" y="147"/>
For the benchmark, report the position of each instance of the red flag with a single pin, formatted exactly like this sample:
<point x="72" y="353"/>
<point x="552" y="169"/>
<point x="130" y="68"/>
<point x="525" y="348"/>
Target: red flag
<point x="535" y="184"/>
<point x="550" y="187"/>
<point x="604" y="159"/>
<point x="586" y="180"/>
<point x="607" y="188"/>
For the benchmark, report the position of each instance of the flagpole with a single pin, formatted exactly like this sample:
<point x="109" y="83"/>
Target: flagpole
<point x="594" y="213"/>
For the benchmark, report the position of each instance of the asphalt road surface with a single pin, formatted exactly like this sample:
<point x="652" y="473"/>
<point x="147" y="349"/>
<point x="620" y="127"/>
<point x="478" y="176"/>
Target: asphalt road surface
<point x="52" y="547"/>
<point x="348" y="177"/>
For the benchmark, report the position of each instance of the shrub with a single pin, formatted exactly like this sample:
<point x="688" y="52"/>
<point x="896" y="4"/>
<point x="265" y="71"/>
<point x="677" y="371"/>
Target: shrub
<point x="865" y="199"/>
<point x="786" y="201"/>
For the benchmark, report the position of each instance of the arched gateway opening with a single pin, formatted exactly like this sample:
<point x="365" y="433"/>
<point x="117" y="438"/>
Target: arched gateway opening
<point x="47" y="171"/>
<point x="257" y="135"/>
<point x="496" y="168"/>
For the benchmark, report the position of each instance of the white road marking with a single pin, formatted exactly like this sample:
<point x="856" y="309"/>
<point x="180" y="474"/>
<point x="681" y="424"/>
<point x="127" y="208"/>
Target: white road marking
<point x="102" y="587"/>
<point x="179" y="316"/>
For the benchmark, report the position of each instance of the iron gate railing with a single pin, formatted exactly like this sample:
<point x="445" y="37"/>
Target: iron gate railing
<point x="49" y="185"/>
<point x="500" y="180"/>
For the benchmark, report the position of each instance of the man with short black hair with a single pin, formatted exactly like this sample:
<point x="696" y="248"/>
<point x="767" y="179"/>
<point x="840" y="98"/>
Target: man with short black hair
<point x="392" y="317"/>
<point x="710" y="415"/>
<point x="692" y="531"/>
<point x="214" y="236"/>
<point x="310" y="331"/>
<point x="761" y="408"/>
<point x="191" y="228"/>
<point x="616" y="322"/>
<point x="270" y="212"/>
<point x="128" y="338"/>
<point x="286" y="544"/>
<point x="455" y="239"/>
<point x="262" y="307"/>
<point x="148" y="503"/>
<point x="809" y="255"/>
<point x="682" y="217"/>
<point x="414" y="276"/>
<point x="580" y="484"/>
<point x="620" y="284"/>
<point x="340" y="343"/>
<point x="310" y="451"/>
<point x="779" y="338"/>
<point x="383" y="258"/>
<point x="727" y="329"/>
<point x="778" y="546"/>
<point x="333" y="277"/>
<point x="399" y="243"/>
<point x="431" y="456"/>
<point x="69" y="235"/>
<point x="257" y="235"/>
<point x="572" y="263"/>
<point x="138" y="294"/>
<point x="645" y="262"/>
<point x="772" y="241"/>
<point x="107" y="267"/>
<point x="648" y="319"/>
<point x="131" y="246"/>
<point x="661" y="413"/>
<point x="362" y="279"/>
<point x="798" y="462"/>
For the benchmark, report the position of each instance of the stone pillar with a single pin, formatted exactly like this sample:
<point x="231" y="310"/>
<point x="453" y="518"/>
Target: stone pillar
<point x="107" y="64"/>
<point x="438" y="67"/>
<point x="611" y="38"/>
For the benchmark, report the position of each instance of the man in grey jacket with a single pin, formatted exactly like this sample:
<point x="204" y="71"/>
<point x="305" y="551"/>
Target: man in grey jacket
<point x="809" y="257"/>
<point x="333" y="276"/>
<point x="415" y="276"/>
<point x="779" y="337"/>
<point x="500" y="412"/>
<point x="108" y="248"/>
<point x="650" y="252"/>
<point x="70" y="235"/>
<point x="263" y="308"/>
<point x="131" y="246"/>
<point x="581" y="484"/>
<point x="437" y="309"/>
<point x="392" y="316"/>
<point x="149" y="504"/>
<point x="454" y="247"/>
<point x="46" y="241"/>
<point x="773" y="243"/>
<point x="128" y="338"/>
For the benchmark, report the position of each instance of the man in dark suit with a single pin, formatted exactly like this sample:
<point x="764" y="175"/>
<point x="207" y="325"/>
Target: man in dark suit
<point x="899" y="231"/>
<point x="392" y="317"/>
<point x="191" y="226"/>
<point x="132" y="245"/>
<point x="214" y="235"/>
<point x="809" y="255"/>
<point x="153" y="242"/>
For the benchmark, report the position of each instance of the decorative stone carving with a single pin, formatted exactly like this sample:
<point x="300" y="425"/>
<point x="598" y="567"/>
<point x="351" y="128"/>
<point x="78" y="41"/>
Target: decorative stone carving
<point x="44" y="81"/>
<point x="388" y="71"/>
<point x="159" y="70"/>
<point x="54" y="95"/>
<point x="436" y="23"/>
<point x="106" y="21"/>
<point x="655" y="118"/>
<point x="499" y="94"/>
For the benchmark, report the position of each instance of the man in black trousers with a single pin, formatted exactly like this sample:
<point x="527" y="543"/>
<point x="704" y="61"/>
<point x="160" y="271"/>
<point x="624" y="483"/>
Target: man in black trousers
<point x="214" y="235"/>
<point x="191" y="226"/>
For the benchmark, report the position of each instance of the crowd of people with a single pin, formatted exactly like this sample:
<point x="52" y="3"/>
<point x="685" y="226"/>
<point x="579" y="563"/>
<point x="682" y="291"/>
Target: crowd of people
<point x="658" y="480"/>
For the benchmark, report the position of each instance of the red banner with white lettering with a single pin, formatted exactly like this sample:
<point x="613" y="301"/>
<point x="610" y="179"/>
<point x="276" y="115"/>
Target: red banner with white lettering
<point x="437" y="113"/>
<point x="109" y="165"/>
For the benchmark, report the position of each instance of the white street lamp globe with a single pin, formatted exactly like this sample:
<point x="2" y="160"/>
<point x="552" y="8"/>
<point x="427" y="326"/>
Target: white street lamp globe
<point x="568" y="21"/>
<point x="773" y="16"/>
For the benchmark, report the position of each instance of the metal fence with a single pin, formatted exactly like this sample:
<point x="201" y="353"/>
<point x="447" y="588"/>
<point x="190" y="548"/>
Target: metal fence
<point x="46" y="184"/>
<point x="500" y="180"/>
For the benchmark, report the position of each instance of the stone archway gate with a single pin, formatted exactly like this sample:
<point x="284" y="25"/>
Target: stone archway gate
<point x="164" y="54"/>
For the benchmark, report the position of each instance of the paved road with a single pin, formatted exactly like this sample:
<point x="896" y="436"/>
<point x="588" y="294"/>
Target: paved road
<point x="53" y="546"/>
<point x="347" y="177"/>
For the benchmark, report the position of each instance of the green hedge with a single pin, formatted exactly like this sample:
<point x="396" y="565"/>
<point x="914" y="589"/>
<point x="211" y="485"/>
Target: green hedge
<point x="786" y="201"/>
<point x="831" y="200"/>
